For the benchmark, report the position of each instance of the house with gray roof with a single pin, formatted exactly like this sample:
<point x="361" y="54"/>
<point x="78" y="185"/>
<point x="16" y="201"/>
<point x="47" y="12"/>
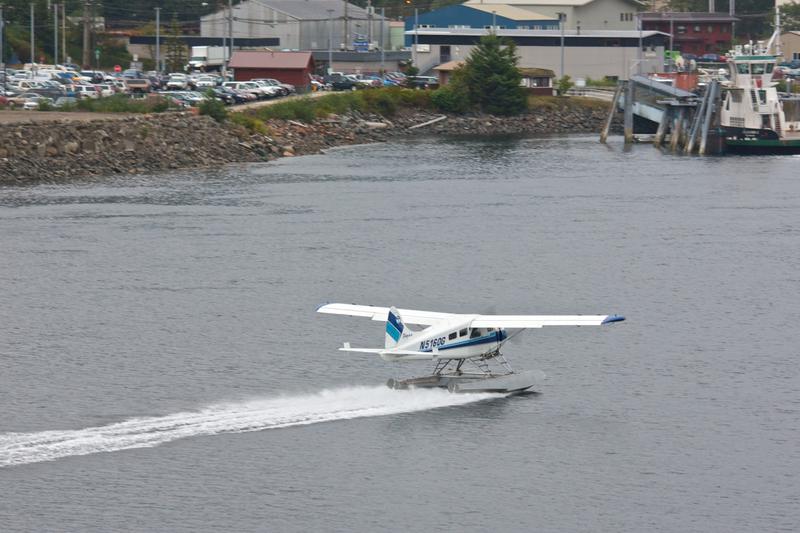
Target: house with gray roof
<point x="579" y="14"/>
<point x="301" y="24"/>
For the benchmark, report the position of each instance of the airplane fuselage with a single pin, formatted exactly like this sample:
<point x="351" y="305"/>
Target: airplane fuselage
<point x="450" y="340"/>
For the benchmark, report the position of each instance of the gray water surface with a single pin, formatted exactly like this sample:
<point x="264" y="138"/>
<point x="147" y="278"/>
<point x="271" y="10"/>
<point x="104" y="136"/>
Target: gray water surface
<point x="163" y="368"/>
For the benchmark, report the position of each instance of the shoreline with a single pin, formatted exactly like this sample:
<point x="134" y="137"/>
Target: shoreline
<point x="57" y="151"/>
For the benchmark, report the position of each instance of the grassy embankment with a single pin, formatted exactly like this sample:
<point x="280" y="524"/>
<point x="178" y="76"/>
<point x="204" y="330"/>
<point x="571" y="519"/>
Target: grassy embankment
<point x="385" y="102"/>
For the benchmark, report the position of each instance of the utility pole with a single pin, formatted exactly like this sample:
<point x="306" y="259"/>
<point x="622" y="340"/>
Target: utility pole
<point x="330" y="41"/>
<point x="158" y="40"/>
<point x="562" y="17"/>
<point x="383" y="47"/>
<point x="369" y="23"/>
<point x="230" y="35"/>
<point x="416" y="36"/>
<point x="64" y="32"/>
<point x="55" y="34"/>
<point x="33" y="50"/>
<point x="2" y="40"/>
<point x="85" y="59"/>
<point x="640" y="52"/>
<point x="346" y="28"/>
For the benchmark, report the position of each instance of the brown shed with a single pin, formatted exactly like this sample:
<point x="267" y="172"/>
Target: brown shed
<point x="288" y="67"/>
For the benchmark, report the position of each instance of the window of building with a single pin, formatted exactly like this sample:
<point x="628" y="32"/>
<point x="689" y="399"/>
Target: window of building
<point x="680" y="30"/>
<point x="796" y="55"/>
<point x="710" y="29"/>
<point x="697" y="29"/>
<point x="725" y="29"/>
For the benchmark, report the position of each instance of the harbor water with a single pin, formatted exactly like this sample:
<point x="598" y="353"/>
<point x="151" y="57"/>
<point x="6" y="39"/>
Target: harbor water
<point x="163" y="367"/>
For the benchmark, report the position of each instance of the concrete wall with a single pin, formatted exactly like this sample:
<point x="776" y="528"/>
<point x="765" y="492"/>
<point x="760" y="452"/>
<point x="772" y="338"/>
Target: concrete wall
<point x="791" y="45"/>
<point x="579" y="61"/>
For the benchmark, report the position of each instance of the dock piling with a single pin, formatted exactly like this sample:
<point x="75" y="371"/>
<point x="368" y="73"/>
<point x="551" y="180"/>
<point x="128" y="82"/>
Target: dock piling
<point x="629" y="93"/>
<point x="611" y="113"/>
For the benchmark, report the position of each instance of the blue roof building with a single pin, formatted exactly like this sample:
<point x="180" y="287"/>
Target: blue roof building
<point x="480" y="16"/>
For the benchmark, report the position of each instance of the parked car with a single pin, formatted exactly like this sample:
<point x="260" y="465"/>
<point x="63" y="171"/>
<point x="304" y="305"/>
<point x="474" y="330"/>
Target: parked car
<point x="105" y="90"/>
<point x="422" y="82"/>
<point x="20" y="99"/>
<point x="65" y="101"/>
<point x="283" y="89"/>
<point x="35" y="102"/>
<point x="239" y="97"/>
<point x="177" y="82"/>
<point x="138" y="85"/>
<point x="205" y="82"/>
<point x="340" y="82"/>
<point x="712" y="58"/>
<point x="86" y="91"/>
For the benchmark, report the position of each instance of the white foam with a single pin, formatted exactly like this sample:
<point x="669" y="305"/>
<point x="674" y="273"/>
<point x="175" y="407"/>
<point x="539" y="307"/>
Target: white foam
<point x="254" y="415"/>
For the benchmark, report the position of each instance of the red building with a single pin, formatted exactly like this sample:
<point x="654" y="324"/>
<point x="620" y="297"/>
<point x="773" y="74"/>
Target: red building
<point x="288" y="67"/>
<point x="694" y="33"/>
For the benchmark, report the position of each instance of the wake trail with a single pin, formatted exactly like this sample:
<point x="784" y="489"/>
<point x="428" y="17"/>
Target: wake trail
<point x="253" y="415"/>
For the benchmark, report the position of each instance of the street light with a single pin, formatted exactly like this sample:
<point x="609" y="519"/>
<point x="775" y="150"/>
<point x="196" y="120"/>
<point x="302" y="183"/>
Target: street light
<point x="330" y="41"/>
<point x="562" y="17"/>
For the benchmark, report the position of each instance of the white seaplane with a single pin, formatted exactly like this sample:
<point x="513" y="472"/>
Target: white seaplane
<point x="451" y="340"/>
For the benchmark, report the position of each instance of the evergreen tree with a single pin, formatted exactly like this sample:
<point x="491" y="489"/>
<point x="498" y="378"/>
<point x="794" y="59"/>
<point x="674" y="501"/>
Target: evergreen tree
<point x="176" y="56"/>
<point x="491" y="79"/>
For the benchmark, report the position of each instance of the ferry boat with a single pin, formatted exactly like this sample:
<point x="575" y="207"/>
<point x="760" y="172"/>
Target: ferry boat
<point x="754" y="118"/>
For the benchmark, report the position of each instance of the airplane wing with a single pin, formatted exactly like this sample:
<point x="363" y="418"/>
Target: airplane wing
<point x="538" y="321"/>
<point x="380" y="314"/>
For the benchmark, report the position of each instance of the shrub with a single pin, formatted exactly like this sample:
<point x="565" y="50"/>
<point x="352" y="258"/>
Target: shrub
<point x="45" y="105"/>
<point x="249" y="122"/>
<point x="213" y="107"/>
<point x="450" y="100"/>
<point x="563" y="85"/>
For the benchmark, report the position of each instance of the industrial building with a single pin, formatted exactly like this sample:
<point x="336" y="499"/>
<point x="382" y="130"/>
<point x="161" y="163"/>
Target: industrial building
<point x="302" y="24"/>
<point x="594" y="54"/>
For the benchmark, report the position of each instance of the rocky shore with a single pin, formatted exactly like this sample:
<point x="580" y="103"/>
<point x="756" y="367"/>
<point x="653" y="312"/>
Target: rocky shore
<point x="58" y="151"/>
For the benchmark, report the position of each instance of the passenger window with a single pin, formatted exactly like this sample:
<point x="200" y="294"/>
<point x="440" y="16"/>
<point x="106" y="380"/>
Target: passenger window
<point x="490" y="330"/>
<point x="462" y="333"/>
<point x="452" y="336"/>
<point x="475" y="333"/>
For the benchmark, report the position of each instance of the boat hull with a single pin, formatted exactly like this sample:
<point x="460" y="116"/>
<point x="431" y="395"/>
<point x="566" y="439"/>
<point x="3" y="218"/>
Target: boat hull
<point x="762" y="146"/>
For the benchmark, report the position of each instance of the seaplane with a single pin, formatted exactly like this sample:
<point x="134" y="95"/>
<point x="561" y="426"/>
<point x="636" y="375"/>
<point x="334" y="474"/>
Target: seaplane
<point x="465" y="349"/>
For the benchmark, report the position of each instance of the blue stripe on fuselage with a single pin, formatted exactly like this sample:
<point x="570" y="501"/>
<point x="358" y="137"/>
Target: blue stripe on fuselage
<point x="495" y="336"/>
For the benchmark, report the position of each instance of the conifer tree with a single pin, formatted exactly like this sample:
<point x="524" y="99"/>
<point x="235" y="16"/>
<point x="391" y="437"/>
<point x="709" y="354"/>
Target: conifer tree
<point x="491" y="79"/>
<point x="176" y="56"/>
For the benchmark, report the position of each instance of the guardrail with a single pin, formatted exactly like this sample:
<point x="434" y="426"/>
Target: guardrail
<point x="589" y="92"/>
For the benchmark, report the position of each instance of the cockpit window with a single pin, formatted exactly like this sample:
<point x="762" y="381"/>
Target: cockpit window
<point x="475" y="333"/>
<point x="758" y="68"/>
<point x="743" y="68"/>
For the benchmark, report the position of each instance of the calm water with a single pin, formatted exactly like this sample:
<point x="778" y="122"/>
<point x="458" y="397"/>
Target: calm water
<point x="163" y="368"/>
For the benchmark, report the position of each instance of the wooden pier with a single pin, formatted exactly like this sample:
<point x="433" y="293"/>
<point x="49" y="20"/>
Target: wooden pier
<point x="684" y="121"/>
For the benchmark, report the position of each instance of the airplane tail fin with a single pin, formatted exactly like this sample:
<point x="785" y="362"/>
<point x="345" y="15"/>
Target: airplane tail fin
<point x="395" y="329"/>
